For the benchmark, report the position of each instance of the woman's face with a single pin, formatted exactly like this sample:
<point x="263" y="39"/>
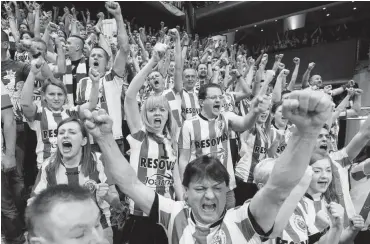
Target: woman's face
<point x="70" y="140"/>
<point x="23" y="28"/>
<point x="54" y="97"/>
<point x="157" y="117"/>
<point x="278" y="116"/>
<point x="322" y="176"/>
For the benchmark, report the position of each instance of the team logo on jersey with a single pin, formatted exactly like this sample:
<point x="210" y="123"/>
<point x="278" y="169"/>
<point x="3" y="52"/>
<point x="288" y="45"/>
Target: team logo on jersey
<point x="219" y="238"/>
<point x="220" y="126"/>
<point x="91" y="185"/>
<point x="300" y="223"/>
<point x="155" y="180"/>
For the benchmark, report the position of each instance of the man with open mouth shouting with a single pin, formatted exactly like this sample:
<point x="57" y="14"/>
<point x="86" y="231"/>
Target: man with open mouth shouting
<point x="203" y="217"/>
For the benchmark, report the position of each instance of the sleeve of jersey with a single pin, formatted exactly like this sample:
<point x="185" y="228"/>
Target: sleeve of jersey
<point x="5" y="98"/>
<point x="341" y="157"/>
<point x="100" y="168"/>
<point x="185" y="136"/>
<point x="161" y="210"/>
<point x="246" y="222"/>
<point x="42" y="184"/>
<point x="361" y="170"/>
<point x="35" y="123"/>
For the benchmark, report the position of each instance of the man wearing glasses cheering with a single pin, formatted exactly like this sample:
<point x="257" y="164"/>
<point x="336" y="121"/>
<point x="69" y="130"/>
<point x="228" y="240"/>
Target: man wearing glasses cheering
<point x="208" y="132"/>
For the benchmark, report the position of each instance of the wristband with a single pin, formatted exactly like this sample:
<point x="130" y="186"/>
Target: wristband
<point x="239" y="76"/>
<point x="209" y="62"/>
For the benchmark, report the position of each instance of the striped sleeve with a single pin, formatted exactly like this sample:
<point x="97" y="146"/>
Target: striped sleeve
<point x="341" y="157"/>
<point x="361" y="170"/>
<point x="165" y="209"/>
<point x="42" y="184"/>
<point x="185" y="136"/>
<point x="5" y="98"/>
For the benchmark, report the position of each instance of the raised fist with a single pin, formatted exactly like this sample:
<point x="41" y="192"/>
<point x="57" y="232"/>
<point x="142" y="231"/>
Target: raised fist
<point x="307" y="109"/>
<point x="113" y="8"/>
<point x="174" y="34"/>
<point x="36" y="6"/>
<point x="351" y="83"/>
<point x="98" y="124"/>
<point x="159" y="51"/>
<point x="336" y="214"/>
<point x="281" y="66"/>
<point x="100" y="15"/>
<point x="162" y="24"/>
<point x="311" y="66"/>
<point x="73" y="10"/>
<point x="296" y="61"/>
<point x="350" y="91"/>
<point x="260" y="104"/>
<point x="36" y="65"/>
<point x="102" y="190"/>
<point x="66" y="10"/>
<point x="357" y="223"/>
<point x="87" y="12"/>
<point x="284" y="72"/>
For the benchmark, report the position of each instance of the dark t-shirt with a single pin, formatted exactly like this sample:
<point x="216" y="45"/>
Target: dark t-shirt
<point x="13" y="76"/>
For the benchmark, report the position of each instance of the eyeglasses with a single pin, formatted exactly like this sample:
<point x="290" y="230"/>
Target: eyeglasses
<point x="215" y="97"/>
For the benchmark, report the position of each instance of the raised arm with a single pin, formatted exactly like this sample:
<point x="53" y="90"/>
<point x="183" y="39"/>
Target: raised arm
<point x="94" y="94"/>
<point x="291" y="85"/>
<point x="306" y="75"/>
<point x="308" y="111"/>
<point x="242" y="123"/>
<point x="119" y="65"/>
<point x="37" y="20"/>
<point x="28" y="106"/>
<point x="276" y="93"/>
<point x="359" y="140"/>
<point x="178" y="60"/>
<point x="131" y="106"/>
<point x="99" y="126"/>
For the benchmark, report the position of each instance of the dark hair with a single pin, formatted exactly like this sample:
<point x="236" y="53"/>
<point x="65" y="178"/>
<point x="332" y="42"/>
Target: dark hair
<point x="285" y="92"/>
<point x="331" y="193"/>
<point x="363" y="155"/>
<point x="48" y="198"/>
<point x="275" y="106"/>
<point x="203" y="90"/>
<point x="4" y="36"/>
<point x="27" y="32"/>
<point x="205" y="167"/>
<point x="28" y="28"/>
<point x="88" y="162"/>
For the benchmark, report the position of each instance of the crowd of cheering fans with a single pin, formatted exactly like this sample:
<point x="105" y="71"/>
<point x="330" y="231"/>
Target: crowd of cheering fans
<point x="163" y="137"/>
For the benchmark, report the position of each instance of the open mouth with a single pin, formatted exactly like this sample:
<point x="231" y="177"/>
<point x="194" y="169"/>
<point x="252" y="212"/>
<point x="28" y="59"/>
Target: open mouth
<point x="217" y="107"/>
<point x="96" y="64"/>
<point x="157" y="122"/>
<point x="322" y="184"/>
<point x="156" y="83"/>
<point x="209" y="207"/>
<point x="324" y="147"/>
<point x="67" y="146"/>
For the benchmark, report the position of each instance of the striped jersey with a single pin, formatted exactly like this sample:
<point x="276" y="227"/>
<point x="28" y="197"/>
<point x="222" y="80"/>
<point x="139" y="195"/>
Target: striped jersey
<point x="74" y="177"/>
<point x="153" y="163"/>
<point x="174" y="100"/>
<point x="254" y="148"/>
<point x="339" y="160"/>
<point x="45" y="124"/>
<point x="236" y="226"/>
<point x="70" y="80"/>
<point x="209" y="137"/>
<point x="316" y="211"/>
<point x="279" y="139"/>
<point x="189" y="104"/>
<point x="228" y="105"/>
<point x="360" y="189"/>
<point x="111" y="96"/>
<point x="299" y="228"/>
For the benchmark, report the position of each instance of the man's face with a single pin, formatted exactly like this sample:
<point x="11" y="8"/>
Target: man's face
<point x="98" y="60"/>
<point x="156" y="81"/>
<point x="194" y="62"/>
<point x="316" y="81"/>
<point x="83" y="34"/>
<point x="148" y="46"/>
<point x="23" y="28"/>
<point x="74" y="223"/>
<point x="73" y="45"/>
<point x="154" y="40"/>
<point x="171" y="69"/>
<point x="207" y="199"/>
<point x="39" y="47"/>
<point x="322" y="142"/>
<point x="190" y="78"/>
<point x="202" y="71"/>
<point x="213" y="102"/>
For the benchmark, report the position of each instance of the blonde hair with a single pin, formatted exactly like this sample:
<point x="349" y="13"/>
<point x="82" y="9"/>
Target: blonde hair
<point x="170" y="127"/>
<point x="263" y="170"/>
